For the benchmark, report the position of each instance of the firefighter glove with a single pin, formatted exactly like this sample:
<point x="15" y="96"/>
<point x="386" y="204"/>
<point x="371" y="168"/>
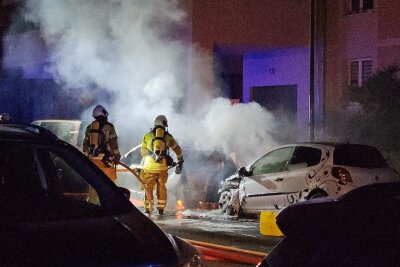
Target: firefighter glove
<point x="116" y="159"/>
<point x="178" y="168"/>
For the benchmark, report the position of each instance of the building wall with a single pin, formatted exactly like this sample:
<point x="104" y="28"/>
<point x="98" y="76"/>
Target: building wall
<point x="269" y="25"/>
<point x="247" y="25"/>
<point x="28" y="51"/>
<point x="373" y="34"/>
<point x="258" y="22"/>
<point x="333" y="59"/>
<point x="290" y="67"/>
<point x="264" y="32"/>
<point x="388" y="32"/>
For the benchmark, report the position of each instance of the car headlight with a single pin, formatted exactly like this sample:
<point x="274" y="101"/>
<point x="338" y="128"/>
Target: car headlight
<point x="195" y="261"/>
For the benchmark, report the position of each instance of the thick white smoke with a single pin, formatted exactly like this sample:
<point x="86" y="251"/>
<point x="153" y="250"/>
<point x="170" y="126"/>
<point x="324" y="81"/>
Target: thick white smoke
<point x="126" y="48"/>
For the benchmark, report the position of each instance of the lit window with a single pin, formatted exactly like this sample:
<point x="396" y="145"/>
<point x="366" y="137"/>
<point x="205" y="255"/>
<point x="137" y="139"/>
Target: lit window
<point x="360" y="70"/>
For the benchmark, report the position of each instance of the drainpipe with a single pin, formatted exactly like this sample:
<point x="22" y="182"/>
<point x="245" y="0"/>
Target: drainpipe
<point x="312" y="71"/>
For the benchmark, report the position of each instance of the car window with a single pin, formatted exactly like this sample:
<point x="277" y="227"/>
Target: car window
<point x="303" y="157"/>
<point x="70" y="183"/>
<point x="38" y="185"/>
<point x="66" y="131"/>
<point x="19" y="171"/>
<point x="81" y="134"/>
<point x="274" y="161"/>
<point x="361" y="156"/>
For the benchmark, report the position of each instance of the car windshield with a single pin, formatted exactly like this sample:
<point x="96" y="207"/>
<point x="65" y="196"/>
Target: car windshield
<point x="65" y="130"/>
<point x="40" y="183"/>
<point x="361" y="156"/>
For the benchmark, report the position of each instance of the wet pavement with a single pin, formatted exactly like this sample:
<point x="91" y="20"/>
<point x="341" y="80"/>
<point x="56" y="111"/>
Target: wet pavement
<point x="216" y="228"/>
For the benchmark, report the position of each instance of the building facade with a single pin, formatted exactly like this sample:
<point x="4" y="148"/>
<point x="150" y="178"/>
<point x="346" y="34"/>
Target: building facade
<point x="270" y="42"/>
<point x="260" y="51"/>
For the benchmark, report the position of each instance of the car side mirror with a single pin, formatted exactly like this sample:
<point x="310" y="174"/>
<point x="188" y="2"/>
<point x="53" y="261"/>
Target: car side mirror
<point x="243" y="172"/>
<point x="125" y="191"/>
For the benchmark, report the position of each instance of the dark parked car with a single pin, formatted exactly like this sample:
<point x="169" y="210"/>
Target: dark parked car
<point x="360" y="228"/>
<point x="199" y="181"/>
<point x="58" y="209"/>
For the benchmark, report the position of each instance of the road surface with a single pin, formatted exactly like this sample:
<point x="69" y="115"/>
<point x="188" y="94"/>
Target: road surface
<point x="213" y="227"/>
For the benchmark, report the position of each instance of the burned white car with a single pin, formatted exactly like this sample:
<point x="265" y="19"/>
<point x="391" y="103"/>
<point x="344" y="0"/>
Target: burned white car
<point x="293" y="173"/>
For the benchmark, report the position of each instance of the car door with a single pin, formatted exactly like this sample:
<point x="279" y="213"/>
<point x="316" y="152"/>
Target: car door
<point x="125" y="178"/>
<point x="303" y="165"/>
<point x="263" y="187"/>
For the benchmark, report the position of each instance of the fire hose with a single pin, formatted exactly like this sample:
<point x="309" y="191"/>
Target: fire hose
<point x="230" y="254"/>
<point x="149" y="194"/>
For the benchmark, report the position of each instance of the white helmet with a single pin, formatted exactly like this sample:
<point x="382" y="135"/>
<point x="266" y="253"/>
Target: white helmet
<point x="5" y="117"/>
<point x="161" y="120"/>
<point x="99" y="110"/>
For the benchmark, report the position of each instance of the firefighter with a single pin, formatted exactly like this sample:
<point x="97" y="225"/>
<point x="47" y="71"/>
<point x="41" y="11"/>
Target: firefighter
<point x="100" y="143"/>
<point x="5" y="118"/>
<point x="156" y="160"/>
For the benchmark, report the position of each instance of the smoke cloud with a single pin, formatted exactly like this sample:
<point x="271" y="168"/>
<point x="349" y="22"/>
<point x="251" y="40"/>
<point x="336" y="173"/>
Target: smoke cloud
<point x="134" y="51"/>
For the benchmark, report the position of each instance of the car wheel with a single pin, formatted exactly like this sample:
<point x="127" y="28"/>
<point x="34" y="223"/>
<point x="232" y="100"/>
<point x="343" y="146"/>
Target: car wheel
<point x="317" y="193"/>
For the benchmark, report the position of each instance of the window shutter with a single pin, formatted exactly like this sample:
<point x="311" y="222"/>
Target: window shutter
<point x="366" y="71"/>
<point x="354" y="73"/>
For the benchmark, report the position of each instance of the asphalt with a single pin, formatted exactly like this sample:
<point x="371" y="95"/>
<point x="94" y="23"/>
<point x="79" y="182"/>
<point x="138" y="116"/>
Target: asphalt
<point x="231" y="232"/>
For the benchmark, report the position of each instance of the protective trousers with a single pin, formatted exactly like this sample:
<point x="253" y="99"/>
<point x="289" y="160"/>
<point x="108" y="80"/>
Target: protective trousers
<point x="159" y="180"/>
<point x="111" y="172"/>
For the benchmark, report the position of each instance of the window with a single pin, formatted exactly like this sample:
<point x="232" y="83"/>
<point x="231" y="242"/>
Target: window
<point x="272" y="162"/>
<point x="358" y="6"/>
<point x="304" y="157"/>
<point x="37" y="184"/>
<point x="361" y="156"/>
<point x="360" y="70"/>
<point x="70" y="183"/>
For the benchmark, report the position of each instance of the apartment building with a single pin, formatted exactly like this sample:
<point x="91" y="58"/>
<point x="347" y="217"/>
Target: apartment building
<point x="267" y="45"/>
<point x="261" y="52"/>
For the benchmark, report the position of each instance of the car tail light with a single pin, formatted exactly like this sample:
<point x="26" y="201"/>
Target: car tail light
<point x="342" y="175"/>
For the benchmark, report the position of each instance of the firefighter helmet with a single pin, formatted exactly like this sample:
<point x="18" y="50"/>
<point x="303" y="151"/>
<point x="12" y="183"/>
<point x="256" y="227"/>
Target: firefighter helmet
<point x="99" y="110"/>
<point x="161" y="120"/>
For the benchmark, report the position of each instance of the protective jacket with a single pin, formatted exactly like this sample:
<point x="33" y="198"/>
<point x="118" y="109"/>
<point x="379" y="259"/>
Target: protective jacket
<point x="148" y="142"/>
<point x="150" y="145"/>
<point x="101" y="141"/>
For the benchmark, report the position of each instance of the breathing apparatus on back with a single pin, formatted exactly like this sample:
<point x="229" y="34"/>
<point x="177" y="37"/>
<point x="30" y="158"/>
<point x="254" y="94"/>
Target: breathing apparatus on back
<point x="159" y="146"/>
<point x="158" y="143"/>
<point x="97" y="138"/>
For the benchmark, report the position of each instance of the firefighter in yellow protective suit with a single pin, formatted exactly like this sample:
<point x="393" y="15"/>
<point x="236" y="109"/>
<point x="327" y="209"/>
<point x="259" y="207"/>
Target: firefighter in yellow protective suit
<point x="100" y="143"/>
<point x="156" y="161"/>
